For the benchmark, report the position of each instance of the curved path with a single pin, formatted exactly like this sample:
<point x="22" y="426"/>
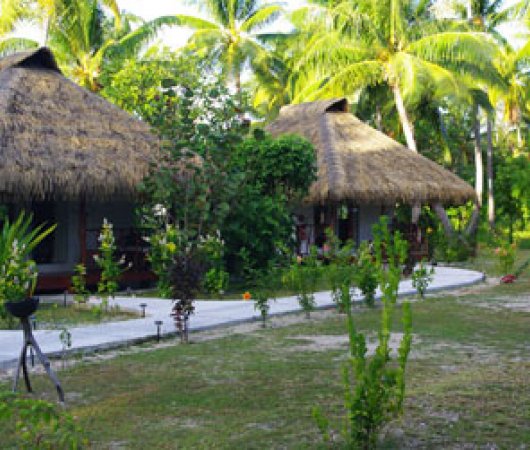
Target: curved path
<point x="208" y="314"/>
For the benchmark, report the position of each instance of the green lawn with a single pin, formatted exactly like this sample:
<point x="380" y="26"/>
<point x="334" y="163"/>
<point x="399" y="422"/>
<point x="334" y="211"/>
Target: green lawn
<point x="467" y="381"/>
<point x="54" y="315"/>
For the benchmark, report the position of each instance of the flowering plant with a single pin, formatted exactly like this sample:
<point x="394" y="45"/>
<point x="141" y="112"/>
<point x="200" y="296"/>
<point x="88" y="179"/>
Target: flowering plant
<point x="164" y="245"/>
<point x="422" y="277"/>
<point x="111" y="270"/>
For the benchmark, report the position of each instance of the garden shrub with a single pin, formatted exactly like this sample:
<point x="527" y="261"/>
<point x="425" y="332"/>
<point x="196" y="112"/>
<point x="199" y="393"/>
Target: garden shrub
<point x="111" y="269"/>
<point x="422" y="277"/>
<point x="18" y="272"/>
<point x="340" y="270"/>
<point x="81" y="293"/>
<point x="302" y="277"/>
<point x="505" y="253"/>
<point x="375" y="385"/>
<point x="163" y="245"/>
<point x="365" y="276"/>
<point x="186" y="276"/>
<point x="38" y="424"/>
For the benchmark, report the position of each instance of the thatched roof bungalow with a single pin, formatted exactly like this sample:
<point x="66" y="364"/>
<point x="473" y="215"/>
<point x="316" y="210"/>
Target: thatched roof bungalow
<point x="68" y="154"/>
<point x="361" y="171"/>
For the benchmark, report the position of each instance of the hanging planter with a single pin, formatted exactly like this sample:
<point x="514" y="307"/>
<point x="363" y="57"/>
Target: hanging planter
<point x="24" y="308"/>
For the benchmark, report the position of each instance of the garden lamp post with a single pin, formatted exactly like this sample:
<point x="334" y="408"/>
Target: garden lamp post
<point x="158" y="324"/>
<point x="143" y="306"/>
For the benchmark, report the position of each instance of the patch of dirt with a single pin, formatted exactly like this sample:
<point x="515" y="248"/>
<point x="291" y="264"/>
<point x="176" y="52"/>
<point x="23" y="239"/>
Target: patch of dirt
<point x="519" y="303"/>
<point x="488" y="283"/>
<point x="325" y="342"/>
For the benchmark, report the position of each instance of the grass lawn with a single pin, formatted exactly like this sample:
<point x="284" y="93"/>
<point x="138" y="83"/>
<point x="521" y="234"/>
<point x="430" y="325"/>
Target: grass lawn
<point x="468" y="383"/>
<point x="54" y="316"/>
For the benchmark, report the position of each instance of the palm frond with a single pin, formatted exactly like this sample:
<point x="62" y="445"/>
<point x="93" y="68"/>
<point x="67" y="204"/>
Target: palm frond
<point x="194" y="22"/>
<point x="260" y="18"/>
<point x="455" y="46"/>
<point x="12" y="45"/>
<point x="132" y="42"/>
<point x="350" y="79"/>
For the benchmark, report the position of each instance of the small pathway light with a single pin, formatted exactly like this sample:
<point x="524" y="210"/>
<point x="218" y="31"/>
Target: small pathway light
<point x="158" y="324"/>
<point x="143" y="306"/>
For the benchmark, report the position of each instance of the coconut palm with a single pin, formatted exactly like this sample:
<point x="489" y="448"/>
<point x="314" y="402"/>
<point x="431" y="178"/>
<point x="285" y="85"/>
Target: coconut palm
<point x="232" y="36"/>
<point x="390" y="42"/>
<point x="45" y="11"/>
<point x="85" y="41"/>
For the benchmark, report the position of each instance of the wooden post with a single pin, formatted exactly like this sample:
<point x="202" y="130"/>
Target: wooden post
<point x="82" y="231"/>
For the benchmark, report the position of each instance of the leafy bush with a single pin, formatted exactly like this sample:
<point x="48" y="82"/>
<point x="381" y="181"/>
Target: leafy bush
<point x="340" y="270"/>
<point x="265" y="290"/>
<point x="164" y="244"/>
<point x="505" y="253"/>
<point x="365" y="277"/>
<point x="38" y="424"/>
<point x="111" y="269"/>
<point x="186" y="275"/>
<point x="374" y="386"/>
<point x="81" y="293"/>
<point x="422" y="277"/>
<point x="302" y="277"/>
<point x="273" y="173"/>
<point x="18" y="272"/>
<point x="216" y="278"/>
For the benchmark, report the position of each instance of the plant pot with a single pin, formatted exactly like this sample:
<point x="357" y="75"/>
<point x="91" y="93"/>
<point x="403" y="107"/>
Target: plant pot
<point x="24" y="308"/>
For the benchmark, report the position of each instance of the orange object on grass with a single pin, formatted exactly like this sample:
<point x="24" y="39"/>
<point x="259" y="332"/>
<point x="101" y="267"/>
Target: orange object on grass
<point x="247" y="296"/>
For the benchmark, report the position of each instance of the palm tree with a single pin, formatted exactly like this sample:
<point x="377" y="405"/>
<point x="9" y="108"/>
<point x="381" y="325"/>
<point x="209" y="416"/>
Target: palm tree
<point x="85" y="42"/>
<point x="486" y="16"/>
<point x="396" y="43"/>
<point x="232" y="37"/>
<point x="391" y="43"/>
<point x="45" y="11"/>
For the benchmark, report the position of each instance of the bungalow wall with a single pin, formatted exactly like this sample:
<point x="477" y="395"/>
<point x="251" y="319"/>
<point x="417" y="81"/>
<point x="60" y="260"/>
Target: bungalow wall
<point x="57" y="256"/>
<point x="348" y="221"/>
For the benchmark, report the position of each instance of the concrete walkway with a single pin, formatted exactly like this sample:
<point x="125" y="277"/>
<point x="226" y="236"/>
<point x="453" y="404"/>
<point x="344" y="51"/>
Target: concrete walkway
<point x="208" y="314"/>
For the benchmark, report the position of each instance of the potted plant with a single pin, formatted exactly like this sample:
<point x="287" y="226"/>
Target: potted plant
<point x="18" y="274"/>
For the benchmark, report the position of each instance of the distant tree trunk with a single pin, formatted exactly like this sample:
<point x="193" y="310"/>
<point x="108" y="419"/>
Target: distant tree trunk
<point x="479" y="168"/>
<point x="489" y="162"/>
<point x="446" y="223"/>
<point x="472" y="226"/>
<point x="239" y="93"/>
<point x="378" y="117"/>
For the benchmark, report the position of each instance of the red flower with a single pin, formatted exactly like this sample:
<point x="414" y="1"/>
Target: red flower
<point x="507" y="279"/>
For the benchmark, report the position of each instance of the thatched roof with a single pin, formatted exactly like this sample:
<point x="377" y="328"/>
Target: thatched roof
<point x="361" y="164"/>
<point x="60" y="141"/>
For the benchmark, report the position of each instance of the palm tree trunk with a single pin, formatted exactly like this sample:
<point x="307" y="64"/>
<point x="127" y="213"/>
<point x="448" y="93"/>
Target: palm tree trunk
<point x="444" y="219"/>
<point x="408" y="128"/>
<point x="378" y="117"/>
<point x="489" y="163"/>
<point x="479" y="168"/>
<point x="239" y="95"/>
